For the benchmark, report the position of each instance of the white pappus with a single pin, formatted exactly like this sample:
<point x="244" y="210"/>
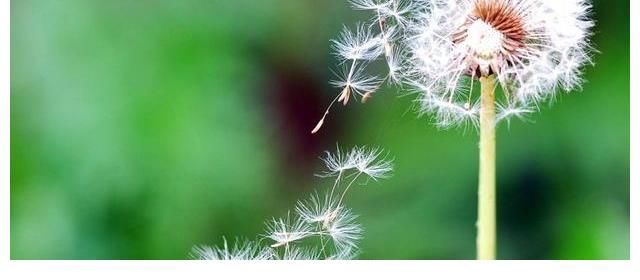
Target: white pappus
<point x="441" y="48"/>
<point x="322" y="219"/>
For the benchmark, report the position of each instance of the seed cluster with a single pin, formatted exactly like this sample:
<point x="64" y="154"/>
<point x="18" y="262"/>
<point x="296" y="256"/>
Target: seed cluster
<point x="492" y="20"/>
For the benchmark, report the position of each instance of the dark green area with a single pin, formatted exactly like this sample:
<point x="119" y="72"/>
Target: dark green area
<point x="141" y="128"/>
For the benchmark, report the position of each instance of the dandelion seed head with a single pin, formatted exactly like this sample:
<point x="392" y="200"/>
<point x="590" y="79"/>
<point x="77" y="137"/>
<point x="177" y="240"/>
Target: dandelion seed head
<point x="534" y="47"/>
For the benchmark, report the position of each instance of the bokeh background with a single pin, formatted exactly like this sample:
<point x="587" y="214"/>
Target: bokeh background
<point x="141" y="128"/>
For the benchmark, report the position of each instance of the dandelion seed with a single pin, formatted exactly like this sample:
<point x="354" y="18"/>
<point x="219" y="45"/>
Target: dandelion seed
<point x="394" y="63"/>
<point x="343" y="230"/>
<point x="449" y="113"/>
<point x="319" y="125"/>
<point x="317" y="210"/>
<point x="240" y="251"/>
<point x="398" y="9"/>
<point x="203" y="252"/>
<point x="344" y="96"/>
<point x="374" y="5"/>
<point x="358" y="45"/>
<point x="387" y="37"/>
<point x="371" y="162"/>
<point x="355" y="81"/>
<point x="336" y="163"/>
<point x="509" y="111"/>
<point x="367" y="96"/>
<point x="300" y="254"/>
<point x="285" y="231"/>
<point x="344" y="253"/>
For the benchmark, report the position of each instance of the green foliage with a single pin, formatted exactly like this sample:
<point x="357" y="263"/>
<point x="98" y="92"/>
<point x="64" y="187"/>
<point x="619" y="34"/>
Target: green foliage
<point x="141" y="128"/>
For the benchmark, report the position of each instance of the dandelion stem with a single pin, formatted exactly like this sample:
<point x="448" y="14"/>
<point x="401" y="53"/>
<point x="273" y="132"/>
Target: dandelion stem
<point x="486" y="224"/>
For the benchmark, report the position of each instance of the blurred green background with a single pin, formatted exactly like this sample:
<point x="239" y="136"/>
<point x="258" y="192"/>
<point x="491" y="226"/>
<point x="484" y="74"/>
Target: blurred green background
<point x="141" y="128"/>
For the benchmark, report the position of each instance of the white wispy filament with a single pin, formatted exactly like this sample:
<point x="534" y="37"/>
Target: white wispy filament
<point x="371" y="161"/>
<point x="323" y="218"/>
<point x="241" y="250"/>
<point x="440" y="48"/>
<point x="368" y="43"/>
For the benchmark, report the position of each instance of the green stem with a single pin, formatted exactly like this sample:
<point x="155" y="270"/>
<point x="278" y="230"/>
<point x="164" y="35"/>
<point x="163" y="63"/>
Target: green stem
<point x="486" y="240"/>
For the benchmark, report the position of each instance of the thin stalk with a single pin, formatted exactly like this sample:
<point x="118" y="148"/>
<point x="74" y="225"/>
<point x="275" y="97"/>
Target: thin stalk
<point x="347" y="188"/>
<point x="286" y="251"/>
<point x="486" y="240"/>
<point x="322" y="243"/>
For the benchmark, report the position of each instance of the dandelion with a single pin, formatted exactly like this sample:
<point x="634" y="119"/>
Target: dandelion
<point x="441" y="50"/>
<point x="528" y="47"/>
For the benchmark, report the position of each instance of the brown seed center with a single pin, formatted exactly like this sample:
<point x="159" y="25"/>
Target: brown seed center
<point x="501" y="16"/>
